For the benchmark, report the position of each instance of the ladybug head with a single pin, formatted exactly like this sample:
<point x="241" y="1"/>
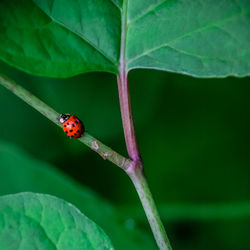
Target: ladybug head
<point x="63" y="117"/>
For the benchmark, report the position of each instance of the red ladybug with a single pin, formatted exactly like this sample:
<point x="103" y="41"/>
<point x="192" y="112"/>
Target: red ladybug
<point x="71" y="125"/>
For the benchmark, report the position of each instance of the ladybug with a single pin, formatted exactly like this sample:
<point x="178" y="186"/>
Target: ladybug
<point x="71" y="125"/>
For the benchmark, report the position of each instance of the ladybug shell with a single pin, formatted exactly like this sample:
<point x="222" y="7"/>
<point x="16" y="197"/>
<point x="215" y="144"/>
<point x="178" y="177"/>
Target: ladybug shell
<point x="73" y="127"/>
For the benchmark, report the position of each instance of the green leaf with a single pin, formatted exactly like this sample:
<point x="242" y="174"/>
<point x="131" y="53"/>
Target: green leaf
<point x="20" y="172"/>
<point x="35" y="43"/>
<point x="39" y="221"/>
<point x="200" y="38"/>
<point x="65" y="38"/>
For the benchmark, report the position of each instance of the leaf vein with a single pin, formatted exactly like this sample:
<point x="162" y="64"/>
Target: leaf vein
<point x="115" y="4"/>
<point x="88" y="41"/>
<point x="200" y="29"/>
<point x="147" y="11"/>
<point x="82" y="37"/>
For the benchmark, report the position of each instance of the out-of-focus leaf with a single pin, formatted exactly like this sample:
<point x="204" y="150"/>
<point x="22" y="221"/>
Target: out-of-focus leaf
<point x="39" y="221"/>
<point x="196" y="212"/>
<point x="19" y="173"/>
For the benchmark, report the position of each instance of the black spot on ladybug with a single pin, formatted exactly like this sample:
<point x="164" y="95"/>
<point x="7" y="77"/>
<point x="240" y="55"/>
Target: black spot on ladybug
<point x="76" y="121"/>
<point x="74" y="133"/>
<point x="73" y="125"/>
<point x="71" y="130"/>
<point x="65" y="126"/>
<point x="78" y="131"/>
<point x="66" y="132"/>
<point x="72" y="136"/>
<point x="68" y="123"/>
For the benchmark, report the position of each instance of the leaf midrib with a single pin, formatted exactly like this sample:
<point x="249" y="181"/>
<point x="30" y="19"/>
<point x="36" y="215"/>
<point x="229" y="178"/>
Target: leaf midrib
<point x="122" y="66"/>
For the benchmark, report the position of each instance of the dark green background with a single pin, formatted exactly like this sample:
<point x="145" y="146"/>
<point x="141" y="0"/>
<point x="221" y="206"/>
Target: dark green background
<point x="193" y="135"/>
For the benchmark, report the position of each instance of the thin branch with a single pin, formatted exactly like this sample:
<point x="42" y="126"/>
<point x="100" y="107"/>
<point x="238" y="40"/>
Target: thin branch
<point x="104" y="151"/>
<point x="127" y="119"/>
<point x="135" y="171"/>
<point x="142" y="188"/>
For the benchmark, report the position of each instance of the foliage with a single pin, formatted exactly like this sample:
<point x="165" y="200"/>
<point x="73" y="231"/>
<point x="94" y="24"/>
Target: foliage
<point x="204" y="39"/>
<point x="201" y="39"/>
<point x="44" y="222"/>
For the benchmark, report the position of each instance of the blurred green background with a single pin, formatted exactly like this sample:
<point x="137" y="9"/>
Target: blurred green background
<point x="194" y="139"/>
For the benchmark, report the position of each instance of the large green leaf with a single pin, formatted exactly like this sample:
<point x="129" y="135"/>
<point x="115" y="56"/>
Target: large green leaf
<point x="20" y="173"/>
<point x="33" y="42"/>
<point x="204" y="39"/>
<point x="39" y="221"/>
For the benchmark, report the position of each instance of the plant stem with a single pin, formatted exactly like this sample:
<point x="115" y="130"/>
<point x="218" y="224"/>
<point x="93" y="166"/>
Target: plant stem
<point x="142" y="188"/>
<point x="104" y="151"/>
<point x="127" y="119"/>
<point x="135" y="171"/>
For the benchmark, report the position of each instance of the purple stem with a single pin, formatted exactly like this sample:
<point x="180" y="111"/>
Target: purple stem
<point x="135" y="170"/>
<point x="127" y="119"/>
